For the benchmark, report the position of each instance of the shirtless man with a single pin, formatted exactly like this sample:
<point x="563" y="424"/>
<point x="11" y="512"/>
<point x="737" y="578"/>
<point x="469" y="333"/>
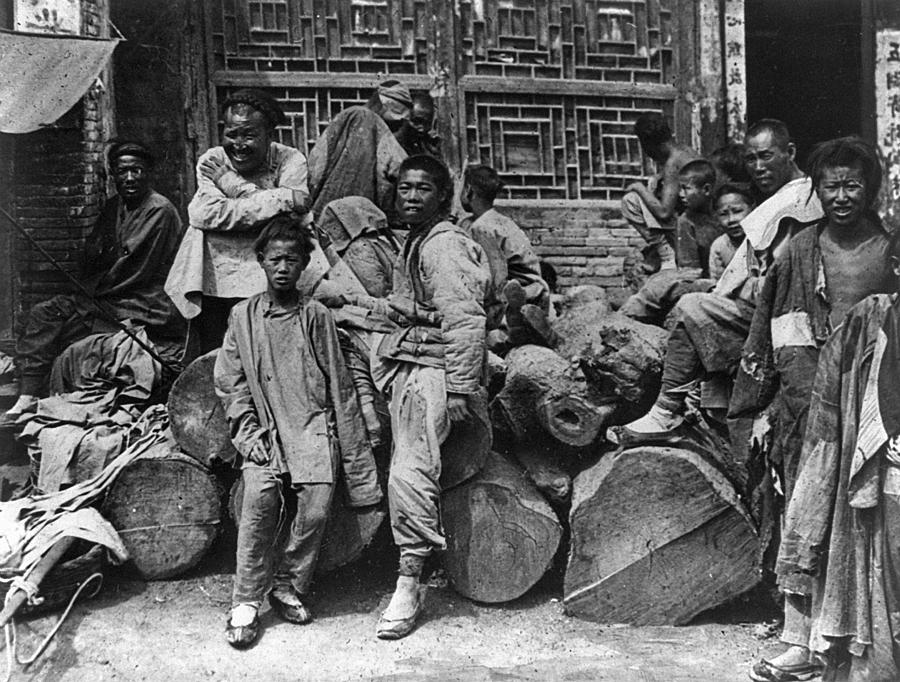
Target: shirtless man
<point x="652" y="213"/>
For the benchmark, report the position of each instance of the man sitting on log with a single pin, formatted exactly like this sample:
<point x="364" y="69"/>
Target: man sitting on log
<point x="125" y="263"/>
<point x="515" y="268"/>
<point x="841" y="538"/>
<point x="711" y="328"/>
<point x="240" y="185"/>
<point x="282" y="380"/>
<point x="827" y="269"/>
<point x="417" y="135"/>
<point x="358" y="154"/>
<point x="651" y="210"/>
<point x="697" y="228"/>
<point x="434" y="372"/>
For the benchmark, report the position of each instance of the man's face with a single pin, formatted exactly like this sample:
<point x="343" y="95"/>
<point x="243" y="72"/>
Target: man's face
<point x="842" y="191"/>
<point x="770" y="166"/>
<point x="731" y="209"/>
<point x="422" y="117"/>
<point x="692" y="195"/>
<point x="132" y="178"/>
<point x="418" y="197"/>
<point x="283" y="264"/>
<point x="246" y="138"/>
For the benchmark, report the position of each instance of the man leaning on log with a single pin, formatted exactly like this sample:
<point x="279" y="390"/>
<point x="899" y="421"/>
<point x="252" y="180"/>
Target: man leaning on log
<point x="711" y="327"/>
<point x="434" y="372"/>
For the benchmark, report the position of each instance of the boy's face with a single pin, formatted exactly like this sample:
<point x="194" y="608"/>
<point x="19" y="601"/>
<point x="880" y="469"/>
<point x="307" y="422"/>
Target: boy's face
<point x="418" y="197"/>
<point x="692" y="195"/>
<point x="731" y="209"/>
<point x="283" y="264"/>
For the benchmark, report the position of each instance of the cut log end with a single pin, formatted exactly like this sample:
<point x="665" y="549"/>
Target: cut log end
<point x="573" y="420"/>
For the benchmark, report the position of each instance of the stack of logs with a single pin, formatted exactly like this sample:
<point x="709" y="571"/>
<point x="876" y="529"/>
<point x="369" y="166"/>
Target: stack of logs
<point x="657" y="533"/>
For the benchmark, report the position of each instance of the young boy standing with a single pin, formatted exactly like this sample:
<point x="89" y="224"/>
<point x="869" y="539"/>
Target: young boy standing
<point x="289" y="400"/>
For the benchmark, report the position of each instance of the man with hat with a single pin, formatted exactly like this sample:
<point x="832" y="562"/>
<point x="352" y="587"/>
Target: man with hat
<point x="359" y="154"/>
<point x="241" y="185"/>
<point x="125" y="263"/>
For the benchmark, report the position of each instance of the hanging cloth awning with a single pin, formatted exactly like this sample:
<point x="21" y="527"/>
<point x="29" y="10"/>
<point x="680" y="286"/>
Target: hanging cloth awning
<point x="43" y="76"/>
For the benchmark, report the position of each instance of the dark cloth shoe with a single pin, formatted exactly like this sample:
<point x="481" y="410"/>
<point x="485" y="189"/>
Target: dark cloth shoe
<point x="294" y="611"/>
<point x="242" y="636"/>
<point x="764" y="671"/>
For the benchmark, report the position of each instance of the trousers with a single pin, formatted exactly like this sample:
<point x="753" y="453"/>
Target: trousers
<point x="266" y="556"/>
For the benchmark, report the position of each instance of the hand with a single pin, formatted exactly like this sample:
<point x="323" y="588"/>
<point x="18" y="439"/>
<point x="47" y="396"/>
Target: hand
<point x="636" y="187"/>
<point x="458" y="407"/>
<point x="259" y="453"/>
<point x="213" y="169"/>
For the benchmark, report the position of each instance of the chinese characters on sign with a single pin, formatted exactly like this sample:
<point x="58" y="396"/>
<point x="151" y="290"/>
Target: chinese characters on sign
<point x="49" y="16"/>
<point x="735" y="68"/>
<point x="887" y="106"/>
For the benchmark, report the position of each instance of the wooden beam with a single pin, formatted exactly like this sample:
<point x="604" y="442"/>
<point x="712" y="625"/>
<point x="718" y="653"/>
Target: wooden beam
<point x="283" y="79"/>
<point x="568" y="87"/>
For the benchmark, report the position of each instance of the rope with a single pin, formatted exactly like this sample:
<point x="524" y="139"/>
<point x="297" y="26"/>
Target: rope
<point x="9" y="631"/>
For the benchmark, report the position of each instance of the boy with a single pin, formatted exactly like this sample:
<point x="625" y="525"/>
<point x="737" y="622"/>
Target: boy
<point x="286" y="392"/>
<point x="732" y="204"/>
<point x="512" y="259"/>
<point x="652" y="212"/>
<point x="696" y="229"/>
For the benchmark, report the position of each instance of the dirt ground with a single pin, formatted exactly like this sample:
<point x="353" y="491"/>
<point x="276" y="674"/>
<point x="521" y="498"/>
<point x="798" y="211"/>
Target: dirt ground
<point x="174" y="630"/>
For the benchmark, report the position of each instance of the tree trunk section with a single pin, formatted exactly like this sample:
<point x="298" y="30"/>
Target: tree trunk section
<point x="166" y="508"/>
<point x="347" y="533"/>
<point x="501" y="534"/>
<point x="542" y="463"/>
<point x="196" y="413"/>
<point x="543" y="393"/>
<point x="658" y="536"/>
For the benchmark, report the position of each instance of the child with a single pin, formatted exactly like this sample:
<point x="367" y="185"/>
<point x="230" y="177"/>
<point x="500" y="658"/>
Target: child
<point x="697" y="228"/>
<point x="732" y="204"/>
<point x="282" y="380"/>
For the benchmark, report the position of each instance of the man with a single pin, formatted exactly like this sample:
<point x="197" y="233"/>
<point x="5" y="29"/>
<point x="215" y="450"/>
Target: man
<point x="841" y="538"/>
<point x="358" y="154"/>
<point x="126" y="259"/>
<point x="434" y="373"/>
<point x="509" y="252"/>
<point x="651" y="213"/>
<point x="711" y="329"/>
<point x="241" y="184"/>
<point x="826" y="270"/>
<point x="418" y="136"/>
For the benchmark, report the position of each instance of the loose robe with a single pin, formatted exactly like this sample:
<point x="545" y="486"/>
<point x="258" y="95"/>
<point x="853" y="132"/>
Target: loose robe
<point x="836" y="546"/>
<point x="256" y="373"/>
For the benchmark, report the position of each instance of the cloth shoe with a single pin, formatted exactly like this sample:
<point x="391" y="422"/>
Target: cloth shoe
<point x="658" y="423"/>
<point x="393" y="626"/>
<point x="287" y="603"/>
<point x="242" y="628"/>
<point x="765" y="671"/>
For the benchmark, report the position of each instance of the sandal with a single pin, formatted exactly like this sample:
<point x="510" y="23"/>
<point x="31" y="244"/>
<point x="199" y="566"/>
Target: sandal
<point x="765" y="671"/>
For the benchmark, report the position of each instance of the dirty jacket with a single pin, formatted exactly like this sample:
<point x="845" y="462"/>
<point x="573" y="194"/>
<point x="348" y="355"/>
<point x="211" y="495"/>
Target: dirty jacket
<point x="216" y="256"/>
<point x="326" y="415"/>
<point x="446" y="274"/>
<point x="778" y="363"/>
<point x="832" y="542"/>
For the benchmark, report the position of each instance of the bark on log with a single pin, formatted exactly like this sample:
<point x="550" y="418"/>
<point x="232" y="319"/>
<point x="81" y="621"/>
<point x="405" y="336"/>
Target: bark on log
<point x="542" y="461"/>
<point x="544" y="393"/>
<point x="166" y="508"/>
<point x="658" y="536"/>
<point x="196" y="414"/>
<point x="501" y="534"/>
<point x="621" y="359"/>
<point x="348" y="531"/>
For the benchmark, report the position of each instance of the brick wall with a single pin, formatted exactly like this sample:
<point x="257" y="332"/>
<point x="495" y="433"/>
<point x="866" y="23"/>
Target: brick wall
<point x="58" y="185"/>
<point x="586" y="244"/>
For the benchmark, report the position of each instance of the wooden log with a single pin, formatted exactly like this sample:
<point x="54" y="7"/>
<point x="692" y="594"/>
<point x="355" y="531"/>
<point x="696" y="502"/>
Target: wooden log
<point x="166" y="508"/>
<point x="621" y="359"/>
<point x="543" y="462"/>
<point x="658" y="536"/>
<point x="196" y="414"/>
<point x="501" y="534"/>
<point x="544" y="393"/>
<point x="348" y="532"/>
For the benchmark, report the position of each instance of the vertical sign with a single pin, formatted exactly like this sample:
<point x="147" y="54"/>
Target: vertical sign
<point x="887" y="107"/>
<point x="735" y="69"/>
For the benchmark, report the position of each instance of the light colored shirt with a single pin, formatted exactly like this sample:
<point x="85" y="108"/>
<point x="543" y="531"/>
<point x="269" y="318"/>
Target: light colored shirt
<point x="721" y="252"/>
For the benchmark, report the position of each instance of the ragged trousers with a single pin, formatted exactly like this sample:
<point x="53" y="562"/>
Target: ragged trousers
<point x="261" y="552"/>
